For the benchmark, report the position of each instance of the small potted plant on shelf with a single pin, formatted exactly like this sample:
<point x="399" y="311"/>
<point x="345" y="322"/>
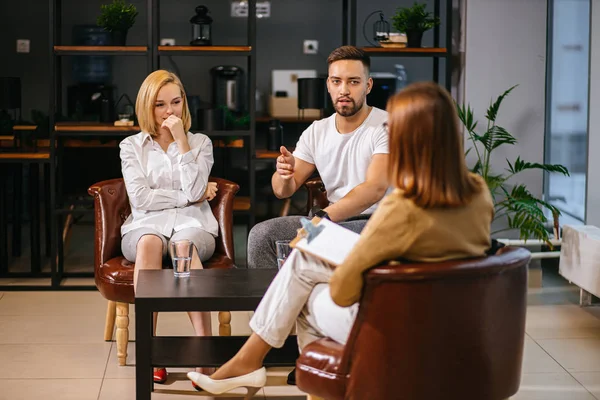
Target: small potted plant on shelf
<point x="513" y="203"/>
<point x="117" y="17"/>
<point x="414" y="21"/>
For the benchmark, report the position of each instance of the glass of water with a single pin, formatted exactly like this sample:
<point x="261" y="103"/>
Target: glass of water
<point x="283" y="251"/>
<point x="181" y="254"/>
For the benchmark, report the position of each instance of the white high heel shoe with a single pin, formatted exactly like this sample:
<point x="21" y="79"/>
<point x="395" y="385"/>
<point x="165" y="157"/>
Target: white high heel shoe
<point x="253" y="381"/>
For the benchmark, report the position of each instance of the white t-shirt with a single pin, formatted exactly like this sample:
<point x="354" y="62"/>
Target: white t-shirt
<point x="342" y="159"/>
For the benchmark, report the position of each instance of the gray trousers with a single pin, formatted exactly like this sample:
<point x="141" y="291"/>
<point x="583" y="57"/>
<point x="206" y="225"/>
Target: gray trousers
<point x="261" y="240"/>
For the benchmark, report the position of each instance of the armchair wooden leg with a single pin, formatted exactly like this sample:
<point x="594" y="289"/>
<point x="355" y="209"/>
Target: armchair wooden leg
<point x="109" y="325"/>
<point x="122" y="332"/>
<point x="224" y="323"/>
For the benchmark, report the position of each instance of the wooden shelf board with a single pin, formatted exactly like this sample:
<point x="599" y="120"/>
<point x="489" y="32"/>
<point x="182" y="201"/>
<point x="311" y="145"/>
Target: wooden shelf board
<point x="71" y="143"/>
<point x="7" y="138"/>
<point x="405" y="50"/>
<point x="307" y="120"/>
<point x="238" y="143"/>
<point x="24" y="127"/>
<point x="200" y="49"/>
<point x="92" y="127"/>
<point x="241" y="204"/>
<point x="83" y="49"/>
<point x="24" y="156"/>
<point x="267" y="154"/>
<point x="264" y="154"/>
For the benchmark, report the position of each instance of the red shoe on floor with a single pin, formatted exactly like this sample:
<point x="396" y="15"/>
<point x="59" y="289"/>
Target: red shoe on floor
<point x="160" y="375"/>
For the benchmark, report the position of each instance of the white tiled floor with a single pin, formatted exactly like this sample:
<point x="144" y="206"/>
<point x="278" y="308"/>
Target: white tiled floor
<point x="51" y="347"/>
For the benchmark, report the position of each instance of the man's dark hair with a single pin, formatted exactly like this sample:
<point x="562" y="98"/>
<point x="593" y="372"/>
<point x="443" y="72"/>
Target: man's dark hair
<point x="349" y="53"/>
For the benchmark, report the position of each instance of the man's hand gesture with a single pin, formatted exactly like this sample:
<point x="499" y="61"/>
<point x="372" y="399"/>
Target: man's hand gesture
<point x="285" y="164"/>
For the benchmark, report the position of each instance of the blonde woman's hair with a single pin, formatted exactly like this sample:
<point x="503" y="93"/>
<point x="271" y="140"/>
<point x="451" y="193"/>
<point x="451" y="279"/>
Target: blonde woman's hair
<point x="146" y="101"/>
<point x="427" y="159"/>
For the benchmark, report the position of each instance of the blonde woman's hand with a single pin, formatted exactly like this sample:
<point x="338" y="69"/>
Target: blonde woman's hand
<point x="210" y="192"/>
<point x="175" y="126"/>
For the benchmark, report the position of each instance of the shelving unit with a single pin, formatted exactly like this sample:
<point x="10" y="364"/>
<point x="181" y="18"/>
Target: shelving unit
<point x="89" y="134"/>
<point x="434" y="53"/>
<point x="67" y="135"/>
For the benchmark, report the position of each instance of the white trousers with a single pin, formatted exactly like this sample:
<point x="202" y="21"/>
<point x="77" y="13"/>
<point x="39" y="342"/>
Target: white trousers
<point x="299" y="295"/>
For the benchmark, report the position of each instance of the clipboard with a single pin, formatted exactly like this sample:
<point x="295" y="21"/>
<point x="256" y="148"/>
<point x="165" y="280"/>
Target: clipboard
<point x="328" y="241"/>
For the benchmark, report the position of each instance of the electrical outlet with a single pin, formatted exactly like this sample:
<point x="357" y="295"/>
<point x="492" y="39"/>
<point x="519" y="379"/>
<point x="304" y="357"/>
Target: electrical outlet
<point x="23" y="45"/>
<point x="167" y="42"/>
<point x="311" y="46"/>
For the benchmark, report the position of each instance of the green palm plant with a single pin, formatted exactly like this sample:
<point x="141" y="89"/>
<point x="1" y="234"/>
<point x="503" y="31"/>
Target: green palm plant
<point x="516" y="205"/>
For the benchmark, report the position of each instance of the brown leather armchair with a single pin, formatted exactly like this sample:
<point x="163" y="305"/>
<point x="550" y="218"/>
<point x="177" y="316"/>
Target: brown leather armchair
<point x="452" y="330"/>
<point x="114" y="274"/>
<point x="317" y="194"/>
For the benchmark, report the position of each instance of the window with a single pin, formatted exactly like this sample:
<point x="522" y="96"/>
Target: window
<point x="567" y="105"/>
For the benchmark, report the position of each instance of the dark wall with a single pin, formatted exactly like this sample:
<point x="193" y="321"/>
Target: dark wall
<point x="279" y="42"/>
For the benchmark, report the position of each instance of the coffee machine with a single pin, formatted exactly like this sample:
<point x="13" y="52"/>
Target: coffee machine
<point x="229" y="88"/>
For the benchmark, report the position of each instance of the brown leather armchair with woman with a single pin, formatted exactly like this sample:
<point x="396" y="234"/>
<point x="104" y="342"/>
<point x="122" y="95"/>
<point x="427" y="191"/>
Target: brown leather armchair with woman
<point x="437" y="211"/>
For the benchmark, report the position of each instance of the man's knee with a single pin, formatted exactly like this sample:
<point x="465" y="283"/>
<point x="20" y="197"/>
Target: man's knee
<point x="260" y="232"/>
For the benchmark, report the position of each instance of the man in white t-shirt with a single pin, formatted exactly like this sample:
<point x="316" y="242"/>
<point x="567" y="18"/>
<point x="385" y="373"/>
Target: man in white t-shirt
<point x="349" y="150"/>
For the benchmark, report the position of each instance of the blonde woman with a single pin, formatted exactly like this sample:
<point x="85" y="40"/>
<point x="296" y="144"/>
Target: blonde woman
<point x="166" y="170"/>
<point x="437" y="211"/>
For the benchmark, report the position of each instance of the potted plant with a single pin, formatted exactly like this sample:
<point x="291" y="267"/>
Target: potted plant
<point x="515" y="205"/>
<point x="117" y="17"/>
<point x="414" y="21"/>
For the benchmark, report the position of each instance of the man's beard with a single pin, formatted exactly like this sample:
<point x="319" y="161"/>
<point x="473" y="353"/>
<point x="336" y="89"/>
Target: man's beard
<point x="349" y="109"/>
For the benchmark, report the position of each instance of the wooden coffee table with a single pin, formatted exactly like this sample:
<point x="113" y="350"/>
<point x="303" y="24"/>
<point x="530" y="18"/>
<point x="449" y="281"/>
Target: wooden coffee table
<point x="205" y="290"/>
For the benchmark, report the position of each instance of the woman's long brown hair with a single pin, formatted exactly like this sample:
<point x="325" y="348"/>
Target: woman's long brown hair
<point x="427" y="159"/>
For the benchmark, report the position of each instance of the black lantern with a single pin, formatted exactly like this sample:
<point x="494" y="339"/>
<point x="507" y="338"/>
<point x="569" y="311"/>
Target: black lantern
<point x="381" y="29"/>
<point x="201" y="27"/>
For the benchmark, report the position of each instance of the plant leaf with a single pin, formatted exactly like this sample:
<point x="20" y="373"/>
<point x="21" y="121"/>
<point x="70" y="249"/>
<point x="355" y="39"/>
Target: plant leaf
<point x="520" y="165"/>
<point x="465" y="114"/>
<point x="477" y="168"/>
<point x="500" y="136"/>
<point x="494" y="182"/>
<point x="525" y="213"/>
<point x="492" y="111"/>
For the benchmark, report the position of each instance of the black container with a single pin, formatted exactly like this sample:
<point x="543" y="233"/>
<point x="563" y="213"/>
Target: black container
<point x="275" y="138"/>
<point x="311" y="93"/>
<point x="91" y="69"/>
<point x="229" y="88"/>
<point x="211" y="119"/>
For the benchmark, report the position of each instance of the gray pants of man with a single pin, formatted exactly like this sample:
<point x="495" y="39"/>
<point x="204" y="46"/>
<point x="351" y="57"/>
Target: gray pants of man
<point x="261" y="240"/>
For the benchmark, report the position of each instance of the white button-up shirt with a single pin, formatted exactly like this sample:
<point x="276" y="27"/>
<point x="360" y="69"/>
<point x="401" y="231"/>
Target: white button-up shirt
<point x="164" y="187"/>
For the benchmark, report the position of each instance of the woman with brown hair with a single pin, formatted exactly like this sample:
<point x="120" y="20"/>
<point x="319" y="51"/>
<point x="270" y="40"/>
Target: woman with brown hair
<point x="438" y="211"/>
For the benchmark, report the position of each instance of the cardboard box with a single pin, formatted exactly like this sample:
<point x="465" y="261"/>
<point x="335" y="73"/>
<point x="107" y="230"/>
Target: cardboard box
<point x="287" y="107"/>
